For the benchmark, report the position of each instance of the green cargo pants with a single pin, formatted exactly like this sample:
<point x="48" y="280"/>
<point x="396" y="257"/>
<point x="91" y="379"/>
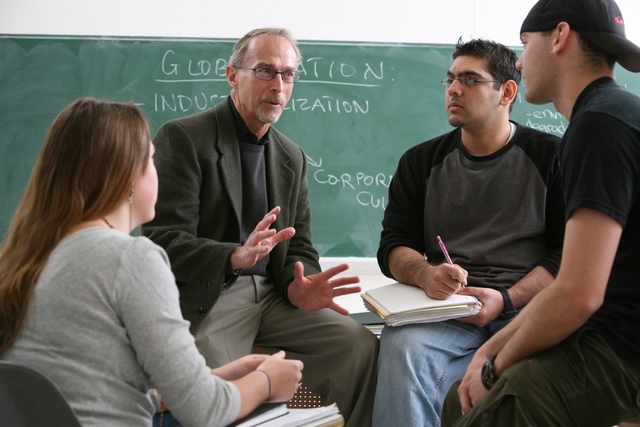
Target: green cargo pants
<point x="580" y="382"/>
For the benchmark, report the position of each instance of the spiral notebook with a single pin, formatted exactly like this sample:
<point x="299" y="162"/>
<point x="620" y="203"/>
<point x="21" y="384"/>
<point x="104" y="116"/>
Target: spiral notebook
<point x="400" y="304"/>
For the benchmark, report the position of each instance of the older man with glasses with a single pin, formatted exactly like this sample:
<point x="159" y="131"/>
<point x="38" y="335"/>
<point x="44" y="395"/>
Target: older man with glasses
<point x="233" y="215"/>
<point x="489" y="188"/>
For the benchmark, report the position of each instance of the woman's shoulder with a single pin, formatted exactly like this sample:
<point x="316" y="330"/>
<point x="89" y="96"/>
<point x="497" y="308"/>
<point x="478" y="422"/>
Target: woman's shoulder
<point x="109" y="244"/>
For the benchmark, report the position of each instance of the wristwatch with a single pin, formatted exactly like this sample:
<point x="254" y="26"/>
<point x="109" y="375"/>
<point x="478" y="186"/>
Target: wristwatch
<point x="509" y="309"/>
<point x="488" y="377"/>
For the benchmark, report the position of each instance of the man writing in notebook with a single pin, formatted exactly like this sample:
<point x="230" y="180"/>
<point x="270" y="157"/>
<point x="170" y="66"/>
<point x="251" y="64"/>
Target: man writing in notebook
<point x="572" y="357"/>
<point x="233" y="215"/>
<point x="489" y="189"/>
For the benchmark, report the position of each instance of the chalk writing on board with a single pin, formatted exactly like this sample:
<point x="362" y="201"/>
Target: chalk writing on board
<point x="184" y="103"/>
<point x="369" y="190"/>
<point x="329" y="104"/>
<point x="558" y="126"/>
<point x="177" y="68"/>
<point x="202" y="101"/>
<point x="545" y="119"/>
<point x="318" y="69"/>
<point x="556" y="129"/>
<point x="171" y="66"/>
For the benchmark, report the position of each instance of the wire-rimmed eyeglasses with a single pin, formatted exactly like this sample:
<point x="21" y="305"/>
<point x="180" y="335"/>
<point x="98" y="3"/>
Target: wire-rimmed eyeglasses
<point x="467" y="81"/>
<point x="263" y="73"/>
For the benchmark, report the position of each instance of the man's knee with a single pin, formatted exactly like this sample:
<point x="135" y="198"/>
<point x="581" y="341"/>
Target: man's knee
<point x="399" y="343"/>
<point x="358" y="338"/>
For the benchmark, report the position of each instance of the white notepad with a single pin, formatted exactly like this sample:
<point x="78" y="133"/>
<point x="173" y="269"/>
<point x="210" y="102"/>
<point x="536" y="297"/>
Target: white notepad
<point x="399" y="304"/>
<point x="278" y="415"/>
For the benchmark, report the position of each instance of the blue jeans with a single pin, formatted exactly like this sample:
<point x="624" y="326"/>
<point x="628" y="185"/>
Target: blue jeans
<point x="167" y="420"/>
<point x="418" y="364"/>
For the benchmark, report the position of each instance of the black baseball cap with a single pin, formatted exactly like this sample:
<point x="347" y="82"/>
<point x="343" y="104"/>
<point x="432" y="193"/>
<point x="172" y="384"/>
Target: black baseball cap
<point x="598" y="21"/>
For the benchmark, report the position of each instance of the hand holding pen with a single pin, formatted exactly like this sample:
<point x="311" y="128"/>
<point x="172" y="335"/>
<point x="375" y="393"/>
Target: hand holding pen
<point x="447" y="257"/>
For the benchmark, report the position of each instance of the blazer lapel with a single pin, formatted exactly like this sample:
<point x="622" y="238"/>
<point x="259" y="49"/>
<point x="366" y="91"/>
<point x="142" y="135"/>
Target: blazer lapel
<point x="280" y="181"/>
<point x="229" y="161"/>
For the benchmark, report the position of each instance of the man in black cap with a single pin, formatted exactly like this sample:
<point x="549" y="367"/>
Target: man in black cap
<point x="572" y="357"/>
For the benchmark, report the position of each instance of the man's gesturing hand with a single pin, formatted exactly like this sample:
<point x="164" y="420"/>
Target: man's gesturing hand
<point x="318" y="291"/>
<point x="260" y="242"/>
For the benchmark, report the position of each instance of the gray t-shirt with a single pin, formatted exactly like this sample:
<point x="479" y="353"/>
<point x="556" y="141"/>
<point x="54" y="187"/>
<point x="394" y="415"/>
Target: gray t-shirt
<point x="105" y="326"/>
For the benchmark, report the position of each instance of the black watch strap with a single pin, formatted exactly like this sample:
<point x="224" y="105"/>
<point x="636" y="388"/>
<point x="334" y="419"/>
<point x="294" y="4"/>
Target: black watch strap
<point x="509" y="309"/>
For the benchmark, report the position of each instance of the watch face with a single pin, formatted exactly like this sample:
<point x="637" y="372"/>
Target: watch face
<point x="488" y="378"/>
<point x="486" y="370"/>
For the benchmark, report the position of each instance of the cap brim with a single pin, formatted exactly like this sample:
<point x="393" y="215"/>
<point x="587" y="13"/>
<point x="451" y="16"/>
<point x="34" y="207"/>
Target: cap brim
<point x="627" y="53"/>
<point x="630" y="62"/>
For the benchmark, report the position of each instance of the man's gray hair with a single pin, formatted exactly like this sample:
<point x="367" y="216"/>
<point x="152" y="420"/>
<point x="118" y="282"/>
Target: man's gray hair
<point x="240" y="48"/>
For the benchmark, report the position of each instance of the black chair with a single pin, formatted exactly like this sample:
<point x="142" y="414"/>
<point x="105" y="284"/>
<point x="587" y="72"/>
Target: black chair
<point x="28" y="398"/>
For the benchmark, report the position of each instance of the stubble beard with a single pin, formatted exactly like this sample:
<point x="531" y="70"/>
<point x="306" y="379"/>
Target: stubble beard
<point x="269" y="117"/>
<point x="456" y="121"/>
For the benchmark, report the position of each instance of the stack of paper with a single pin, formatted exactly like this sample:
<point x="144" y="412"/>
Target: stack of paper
<point x="399" y="304"/>
<point x="278" y="415"/>
<point x="311" y="417"/>
<point x="264" y="413"/>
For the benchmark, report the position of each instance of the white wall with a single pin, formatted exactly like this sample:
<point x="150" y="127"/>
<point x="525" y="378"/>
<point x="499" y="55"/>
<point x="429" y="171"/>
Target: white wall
<point x="406" y="21"/>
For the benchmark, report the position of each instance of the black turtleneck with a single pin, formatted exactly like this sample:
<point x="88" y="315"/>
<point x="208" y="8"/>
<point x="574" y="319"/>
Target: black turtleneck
<point x="254" y="184"/>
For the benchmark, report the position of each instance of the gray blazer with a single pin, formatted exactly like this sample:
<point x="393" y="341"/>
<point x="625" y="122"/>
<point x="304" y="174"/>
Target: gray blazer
<point x="199" y="206"/>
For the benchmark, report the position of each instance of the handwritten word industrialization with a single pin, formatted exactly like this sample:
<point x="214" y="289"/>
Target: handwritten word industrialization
<point x="200" y="102"/>
<point x="362" y="184"/>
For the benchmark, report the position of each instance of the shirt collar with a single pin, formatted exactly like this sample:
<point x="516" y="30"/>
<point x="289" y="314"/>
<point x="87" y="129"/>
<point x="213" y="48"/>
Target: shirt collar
<point x="585" y="96"/>
<point x="244" y="134"/>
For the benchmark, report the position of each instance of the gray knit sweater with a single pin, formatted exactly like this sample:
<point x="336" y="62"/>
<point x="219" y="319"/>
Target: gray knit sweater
<point x="105" y="326"/>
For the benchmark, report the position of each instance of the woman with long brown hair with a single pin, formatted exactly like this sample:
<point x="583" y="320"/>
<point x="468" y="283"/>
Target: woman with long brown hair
<point x="96" y="310"/>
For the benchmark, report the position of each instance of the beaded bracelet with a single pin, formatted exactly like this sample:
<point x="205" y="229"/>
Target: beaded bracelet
<point x="268" y="380"/>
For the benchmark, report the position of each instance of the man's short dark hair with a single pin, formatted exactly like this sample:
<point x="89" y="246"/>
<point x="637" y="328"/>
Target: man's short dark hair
<point x="594" y="55"/>
<point x="500" y="61"/>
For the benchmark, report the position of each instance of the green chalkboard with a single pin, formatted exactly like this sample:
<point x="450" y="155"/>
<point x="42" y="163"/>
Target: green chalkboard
<point x="357" y="108"/>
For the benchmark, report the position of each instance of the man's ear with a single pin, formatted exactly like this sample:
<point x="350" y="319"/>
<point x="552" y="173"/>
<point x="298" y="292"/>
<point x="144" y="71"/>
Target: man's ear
<point x="560" y="37"/>
<point x="509" y="91"/>
<point x="231" y="73"/>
